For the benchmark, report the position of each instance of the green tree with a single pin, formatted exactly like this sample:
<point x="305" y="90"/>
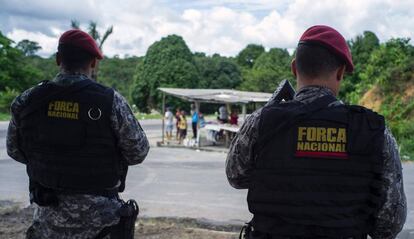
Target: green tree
<point x="390" y="66"/>
<point x="269" y="69"/>
<point x="248" y="56"/>
<point x="390" y="69"/>
<point x="361" y="49"/>
<point x="119" y="73"/>
<point x="217" y="72"/>
<point x="29" y="48"/>
<point x="46" y="67"/>
<point x="167" y="63"/>
<point x="14" y="72"/>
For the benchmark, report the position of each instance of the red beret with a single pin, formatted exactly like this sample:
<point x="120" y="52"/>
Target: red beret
<point x="330" y="39"/>
<point x="82" y="40"/>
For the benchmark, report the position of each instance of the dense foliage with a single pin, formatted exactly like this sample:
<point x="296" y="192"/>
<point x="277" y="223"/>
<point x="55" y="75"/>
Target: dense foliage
<point x="384" y="80"/>
<point x="14" y="72"/>
<point x="119" y="73"/>
<point x="383" y="77"/>
<point x="268" y="70"/>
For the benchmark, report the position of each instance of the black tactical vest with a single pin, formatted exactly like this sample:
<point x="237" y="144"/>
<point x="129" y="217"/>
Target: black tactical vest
<point x="317" y="170"/>
<point x="66" y="136"/>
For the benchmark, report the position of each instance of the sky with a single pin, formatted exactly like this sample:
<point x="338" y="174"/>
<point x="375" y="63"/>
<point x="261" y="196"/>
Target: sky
<point x="221" y="26"/>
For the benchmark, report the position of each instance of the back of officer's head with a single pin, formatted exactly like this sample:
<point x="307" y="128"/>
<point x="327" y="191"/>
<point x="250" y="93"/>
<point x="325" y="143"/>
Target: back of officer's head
<point x="77" y="51"/>
<point x="74" y="58"/>
<point x="314" y="61"/>
<point x="322" y="58"/>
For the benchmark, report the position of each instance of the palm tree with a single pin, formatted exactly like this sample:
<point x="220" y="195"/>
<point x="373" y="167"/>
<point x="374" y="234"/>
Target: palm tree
<point x="93" y="31"/>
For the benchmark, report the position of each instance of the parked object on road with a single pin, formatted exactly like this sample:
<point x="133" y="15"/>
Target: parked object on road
<point x="77" y="139"/>
<point x="314" y="167"/>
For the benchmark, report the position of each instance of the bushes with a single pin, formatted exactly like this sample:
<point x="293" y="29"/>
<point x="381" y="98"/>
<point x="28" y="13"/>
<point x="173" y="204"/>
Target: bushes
<point x="6" y="98"/>
<point x="403" y="132"/>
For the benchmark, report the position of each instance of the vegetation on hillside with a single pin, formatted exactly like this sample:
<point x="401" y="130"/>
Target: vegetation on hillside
<point x="383" y="77"/>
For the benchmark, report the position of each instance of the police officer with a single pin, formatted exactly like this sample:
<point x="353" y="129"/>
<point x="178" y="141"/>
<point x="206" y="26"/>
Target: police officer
<point x="77" y="138"/>
<point x="314" y="167"/>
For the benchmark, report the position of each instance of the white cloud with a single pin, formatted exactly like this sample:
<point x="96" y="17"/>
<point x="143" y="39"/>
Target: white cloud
<point x="209" y="26"/>
<point x="48" y="43"/>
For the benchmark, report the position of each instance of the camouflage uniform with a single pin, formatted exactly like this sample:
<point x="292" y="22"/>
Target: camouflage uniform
<point x="82" y="216"/>
<point x="392" y="215"/>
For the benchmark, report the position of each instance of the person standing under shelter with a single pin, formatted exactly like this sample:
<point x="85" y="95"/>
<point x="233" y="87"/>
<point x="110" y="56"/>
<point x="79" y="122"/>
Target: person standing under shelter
<point x="314" y="167"/>
<point x="76" y="138"/>
<point x="182" y="126"/>
<point x="223" y="115"/>
<point x="177" y="122"/>
<point x="234" y="117"/>
<point x="169" y="123"/>
<point x="194" y="123"/>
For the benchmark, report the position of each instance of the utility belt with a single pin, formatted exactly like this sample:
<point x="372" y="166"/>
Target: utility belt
<point x="128" y="212"/>
<point x="248" y="232"/>
<point x="44" y="196"/>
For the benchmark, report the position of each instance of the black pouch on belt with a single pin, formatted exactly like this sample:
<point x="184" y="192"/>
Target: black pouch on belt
<point x="126" y="227"/>
<point x="129" y="213"/>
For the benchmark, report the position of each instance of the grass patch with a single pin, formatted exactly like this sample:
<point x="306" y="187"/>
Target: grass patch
<point x="5" y="117"/>
<point x="143" y="116"/>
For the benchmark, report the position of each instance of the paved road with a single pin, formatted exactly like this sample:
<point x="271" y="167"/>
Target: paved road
<point x="170" y="182"/>
<point x="175" y="182"/>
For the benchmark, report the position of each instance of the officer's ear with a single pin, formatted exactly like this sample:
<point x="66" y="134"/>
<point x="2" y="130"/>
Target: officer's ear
<point x="58" y="59"/>
<point x="293" y="67"/>
<point x="93" y="63"/>
<point x="340" y="73"/>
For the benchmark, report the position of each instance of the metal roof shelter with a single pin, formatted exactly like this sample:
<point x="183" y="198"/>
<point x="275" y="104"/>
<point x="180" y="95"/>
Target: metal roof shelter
<point x="218" y="96"/>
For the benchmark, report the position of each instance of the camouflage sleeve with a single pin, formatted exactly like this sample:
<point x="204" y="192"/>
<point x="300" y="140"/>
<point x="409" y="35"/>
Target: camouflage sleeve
<point x="391" y="216"/>
<point x="132" y="140"/>
<point x="240" y="159"/>
<point x="12" y="133"/>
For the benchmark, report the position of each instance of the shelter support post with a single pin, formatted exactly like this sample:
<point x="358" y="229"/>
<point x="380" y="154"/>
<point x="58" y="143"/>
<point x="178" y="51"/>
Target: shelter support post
<point x="228" y="107"/>
<point x="244" y="111"/>
<point x="163" y="117"/>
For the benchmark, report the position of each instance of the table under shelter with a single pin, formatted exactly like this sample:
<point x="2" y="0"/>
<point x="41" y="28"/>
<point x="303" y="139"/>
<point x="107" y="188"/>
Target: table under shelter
<point x="216" y="96"/>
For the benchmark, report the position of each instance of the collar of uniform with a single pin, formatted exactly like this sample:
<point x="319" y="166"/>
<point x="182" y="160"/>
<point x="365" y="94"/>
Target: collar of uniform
<point x="64" y="78"/>
<point x="308" y="94"/>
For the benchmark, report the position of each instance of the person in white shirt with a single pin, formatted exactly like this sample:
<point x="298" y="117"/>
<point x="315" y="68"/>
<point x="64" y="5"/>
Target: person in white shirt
<point x="223" y="115"/>
<point x="169" y="123"/>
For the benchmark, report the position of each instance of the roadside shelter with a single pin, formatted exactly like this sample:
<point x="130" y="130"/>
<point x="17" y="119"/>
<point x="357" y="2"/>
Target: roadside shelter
<point x="217" y="96"/>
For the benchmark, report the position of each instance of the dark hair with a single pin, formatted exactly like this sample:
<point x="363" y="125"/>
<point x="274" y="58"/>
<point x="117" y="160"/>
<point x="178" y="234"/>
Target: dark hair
<point x="313" y="60"/>
<point x="74" y="58"/>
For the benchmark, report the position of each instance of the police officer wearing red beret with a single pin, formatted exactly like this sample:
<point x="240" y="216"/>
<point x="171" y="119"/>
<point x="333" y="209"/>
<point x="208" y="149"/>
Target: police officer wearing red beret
<point x="313" y="166"/>
<point x="77" y="138"/>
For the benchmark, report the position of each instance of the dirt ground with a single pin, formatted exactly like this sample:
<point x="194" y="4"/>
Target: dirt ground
<point x="15" y="220"/>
